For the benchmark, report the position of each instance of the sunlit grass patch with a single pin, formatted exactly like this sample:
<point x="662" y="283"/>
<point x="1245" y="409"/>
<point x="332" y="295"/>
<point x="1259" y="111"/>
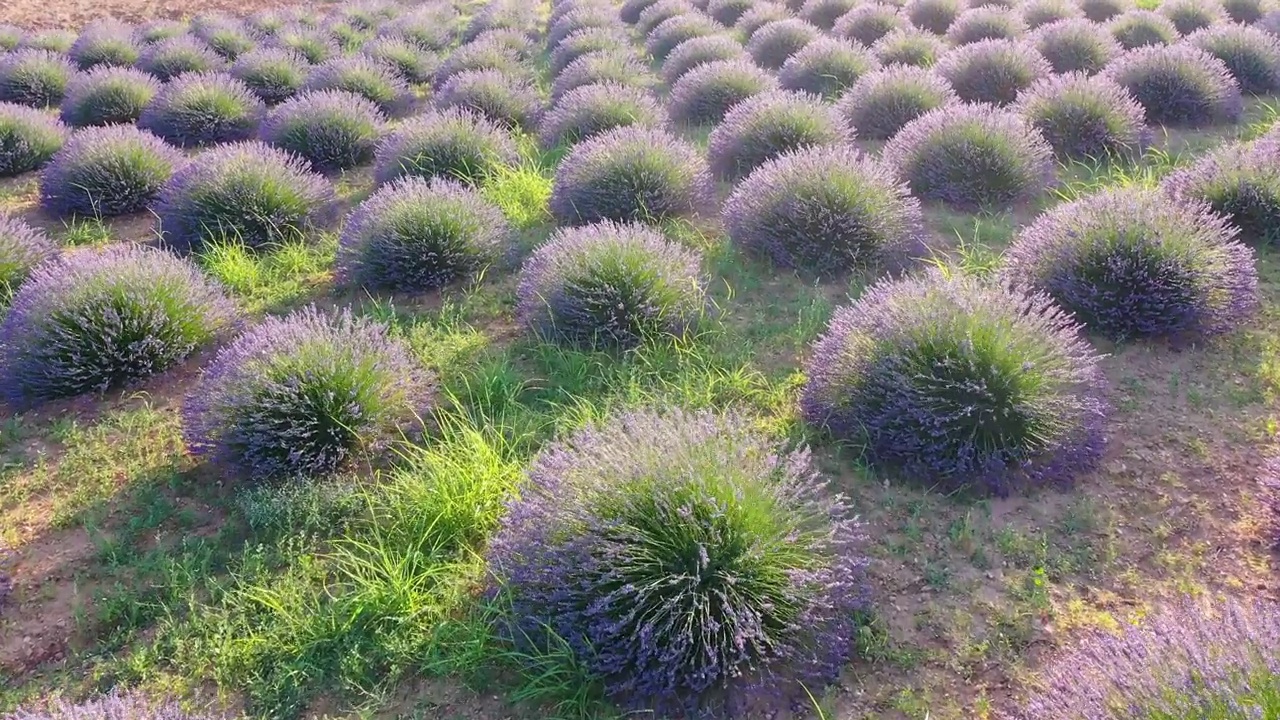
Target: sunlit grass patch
<point x="274" y="279"/>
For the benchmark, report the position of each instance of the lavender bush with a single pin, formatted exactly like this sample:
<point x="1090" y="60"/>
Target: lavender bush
<point x="985" y="23"/>
<point x="659" y="12"/>
<point x="823" y="14"/>
<point x="909" y="47"/>
<point x="603" y="66"/>
<point x="1189" y="16"/>
<point x="1251" y="55"/>
<point x="34" y="77"/>
<point x="113" y="706"/>
<point x="362" y="76"/>
<point x="417" y="235"/>
<point x="203" y="109"/>
<point x="868" y="23"/>
<point x="157" y="31"/>
<point x="706" y="93"/>
<point x="934" y="16"/>
<point x="1245" y="12"/>
<point x="954" y="382"/>
<point x="671" y="32"/>
<point x="305" y="395"/>
<point x="409" y="62"/>
<point x="453" y="144"/>
<point x="1076" y="46"/>
<point x="331" y="129"/>
<point x="58" y="41"/>
<point x="314" y="46"/>
<point x="699" y="51"/>
<point x="107" y="171"/>
<point x="107" y="96"/>
<point x="1083" y="116"/>
<point x="103" y="318"/>
<point x="728" y="12"/>
<point x="774" y="42"/>
<point x="1240" y="182"/>
<point x="883" y="102"/>
<point x="1135" y="263"/>
<point x="104" y="42"/>
<point x="508" y="102"/>
<point x="1039" y="13"/>
<point x="631" y="174"/>
<point x="583" y="42"/>
<point x="182" y="54"/>
<point x="429" y="28"/>
<point x="826" y="67"/>
<point x="22" y="249"/>
<point x="692" y="566"/>
<point x="1140" y="28"/>
<point x="761" y="128"/>
<point x="273" y="74"/>
<point x="28" y="138"/>
<point x="992" y="71"/>
<point x="593" y="109"/>
<point x="759" y="16"/>
<point x="228" y="38"/>
<point x="1100" y="11"/>
<point x="1179" y="85"/>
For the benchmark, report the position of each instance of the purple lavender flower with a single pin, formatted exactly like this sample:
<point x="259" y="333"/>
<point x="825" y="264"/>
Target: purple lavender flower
<point x="1076" y="45"/>
<point x="992" y="71"/>
<point x="22" y="249"/>
<point x="1085" y="116"/>
<point x="593" y="109"/>
<point x="509" y="102"/>
<point x="1179" y="85"/>
<point x="1239" y="181"/>
<point x="107" y="96"/>
<point x="331" y="129"/>
<point x="772" y="43"/>
<point x="34" y="77"/>
<point x="1136" y="263"/>
<point x="104" y="42"/>
<point x="933" y="16"/>
<point x="956" y="382"/>
<point x="1039" y="13"/>
<point x="1100" y="11"/>
<point x="865" y="24"/>
<point x="631" y="174"/>
<point x="671" y="32"/>
<point x="203" y="109"/>
<point x="706" y="93"/>
<point x="1251" y="55"/>
<point x="985" y="23"/>
<point x="688" y="563"/>
<point x="113" y="706"/>
<point x="699" y="51"/>
<point x="305" y="395"/>
<point x="273" y="74"/>
<point x="455" y="144"/>
<point x="1140" y="28"/>
<point x="909" y="46"/>
<point x="107" y="171"/>
<point x="612" y="66"/>
<point x="365" y="77"/>
<point x="826" y="67"/>
<point x="98" y="319"/>
<point x="1189" y="16"/>
<point x="28" y="138"/>
<point x="766" y="126"/>
<point x="170" y="58"/>
<point x="823" y="14"/>
<point x="882" y="102"/>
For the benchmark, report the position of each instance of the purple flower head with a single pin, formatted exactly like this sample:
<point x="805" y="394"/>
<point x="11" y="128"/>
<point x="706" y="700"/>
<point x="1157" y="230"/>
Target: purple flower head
<point x="480" y="56"/>
<point x="409" y="62"/>
<point x="107" y="96"/>
<point x="202" y="109"/>
<point x="365" y="77"/>
<point x="1076" y="45"/>
<point x="760" y="15"/>
<point x="28" y="138"/>
<point x="103" y="318"/>
<point x="593" y="109"/>
<point x="934" y="16"/>
<point x="1189" y="16"/>
<point x="273" y="74"/>
<point x="673" y="31"/>
<point x="661" y="11"/>
<point x="728" y="12"/>
<point x="992" y="71"/>
<point x="582" y="42"/>
<point x="104" y="42"/>
<point x="763" y="127"/>
<point x="1140" y="28"/>
<point x="631" y="174"/>
<point x="58" y="41"/>
<point x="865" y="24"/>
<point x="113" y="706"/>
<point x="107" y="171"/>
<point x="34" y="77"/>
<point x="1251" y="55"/>
<point x="331" y="129"/>
<point x="1179" y="85"/>
<point x="955" y="382"/>
<point x="618" y="66"/>
<point x="1239" y="181"/>
<point x="916" y="48"/>
<point x="313" y="45"/>
<point x="1136" y="263"/>
<point x="22" y="249"/>
<point x="774" y="42"/>
<point x="985" y="23"/>
<point x="827" y="67"/>
<point x="1083" y="116"/>
<point x="512" y="103"/>
<point x="305" y="395"/>
<point x="694" y="568"/>
<point x="170" y="58"/>
<point x="248" y="193"/>
<point x="971" y="156"/>
<point x="415" y="234"/>
<point x="706" y="93"/>
<point x="882" y="102"/>
<point x="455" y="144"/>
<point x="699" y="51"/>
<point x="1100" y="11"/>
<point x="1039" y="13"/>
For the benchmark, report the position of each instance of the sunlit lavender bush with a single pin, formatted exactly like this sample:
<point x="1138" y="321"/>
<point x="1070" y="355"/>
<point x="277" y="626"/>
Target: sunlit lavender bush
<point x="1083" y="116"/>
<point x="610" y="285"/>
<point x="103" y="318"/>
<point x="699" y="51"/>
<point x="416" y="234"/>
<point x="1189" y="16"/>
<point x="757" y="17"/>
<point x="823" y="14"/>
<point x="1246" y="12"/>
<point x="1179" y="85"/>
<point x="1100" y="11"/>
<point x="1135" y="263"/>
<point x="314" y="45"/>
<point x="365" y="77"/>
<point x="305" y="395"/>
<point x="772" y="43"/>
<point x="22" y="249"/>
<point x="1184" y="660"/>
<point x="113" y="706"/>
<point x="1140" y="28"/>
<point x="432" y="28"/>
<point x="28" y="138"/>
<point x="621" y="67"/>
<point x="670" y="33"/>
<point x="1076" y="46"/>
<point x="985" y="23"/>
<point x="228" y="38"/>
<point x="58" y="41"/>
<point x="1239" y="181"/>
<point x="867" y="23"/>
<point x="592" y="109"/>
<point x="1039" y="13"/>
<point x="248" y="193"/>
<point x="728" y="12"/>
<point x="934" y="16"/>
<point x="156" y="31"/>
<point x="107" y="96"/>
<point x="409" y="62"/>
<point x="104" y="42"/>
<point x="331" y="129"/>
<point x="826" y="67"/>
<point x="659" y="12"/>
<point x="480" y="56"/>
<point x="916" y="48"/>
<point x="170" y="58"/>
<point x="763" y="127"/>
<point x="273" y="74"/>
<point x="706" y="93"/>
<point x="582" y="42"/>
<point x="951" y="381"/>
<point x="202" y="109"/>
<point x="107" y="171"/>
<point x="631" y="174"/>
<point x="690" y="564"/>
<point x="454" y="144"/>
<point x="992" y="71"/>
<point x="34" y="77"/>
<point x="509" y="102"/>
<point x="1251" y="55"/>
<point x="882" y="102"/>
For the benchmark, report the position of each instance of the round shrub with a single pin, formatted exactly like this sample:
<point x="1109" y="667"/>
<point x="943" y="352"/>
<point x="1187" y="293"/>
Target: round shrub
<point x="415" y="234"/>
<point x="273" y="74"/>
<point x="699" y="51"/>
<point x="1240" y="182"/>
<point x="520" y="43"/>
<point x="1085" y="117"/>
<point x="992" y="71"/>
<point x="58" y="41"/>
<point x="704" y="94"/>
<point x="107" y="96"/>
<point x="1183" y="660"/>
<point x="509" y="102"/>
<point x="431" y="29"/>
<point x="661" y="11"/>
<point x="1135" y="263"/>
<point x="866" y="24"/>
<point x="883" y="102"/>
<point x="305" y="395"/>
<point x="104" y="42"/>
<point x="771" y="566"/>
<point x="1189" y="16"/>
<point x="761" y="128"/>
<point x="314" y="46"/>
<point x="480" y="56"/>
<point x="249" y="193"/>
<point x="619" y="67"/>
<point x="10" y="37"/>
<point x="226" y="38"/>
<point x="331" y="129"/>
<point x="824" y="210"/>
<point x="583" y="18"/>
<point x="170" y="58"/>
<point x="935" y="16"/>
<point x="103" y="318"/>
<point x="826" y="67"/>
<point x="774" y="42"/>
<point x="583" y="42"/>
<point x="1140" y="28"/>
<point x="955" y="382"/>
<point x="1179" y="85"/>
<point x="985" y="23"/>
<point x="610" y="285"/>
<point x="1252" y="56"/>
<point x="34" y="77"/>
<point x="823" y="14"/>
<point x="630" y="10"/>
<point x="668" y="35"/>
<point x="158" y="31"/>
<point x="454" y="144"/>
<point x="759" y="16"/>
<point x="22" y="249"/>
<point x="407" y="61"/>
<point x="28" y="138"/>
<point x="201" y="109"/>
<point x="630" y="174"/>
<point x="1245" y="12"/>
<point x="1076" y="46"/>
<point x="971" y="156"/>
<point x="1038" y="13"/>
<point x="362" y="76"/>
<point x="592" y="109"/>
<point x="107" y="171"/>
<point x="909" y="47"/>
<point x="1103" y="10"/>
<point x="728" y="12"/>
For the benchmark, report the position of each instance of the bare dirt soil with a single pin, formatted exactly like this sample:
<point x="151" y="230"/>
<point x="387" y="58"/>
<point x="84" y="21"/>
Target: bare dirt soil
<point x="73" y="14"/>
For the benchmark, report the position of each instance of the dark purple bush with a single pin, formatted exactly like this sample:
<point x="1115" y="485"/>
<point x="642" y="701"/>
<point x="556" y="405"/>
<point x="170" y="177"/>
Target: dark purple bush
<point x="1136" y="263"/>
<point x="823" y="14"/>
<point x="454" y="144"/>
<point x="728" y="12"/>
<point x="1240" y="182"/>
<point x="102" y="318"/>
<point x="409" y="62"/>
<point x="113" y="706"/>
<point x="882" y="102"/>
<point x="592" y="109"/>
<point x="582" y="42"/>
<point x="771" y="575"/>
<point x="826" y="67"/>
<point x="631" y="174"/>
<point x="1252" y="56"/>
<point x="202" y="109"/>
<point x="170" y="58"/>
<point x="673" y="31"/>
<point x="1179" y="85"/>
<point x="1085" y="117"/>
<point x="365" y="77"/>
<point x="774" y="42"/>
<point x="757" y="17"/>
<point x="868" y="23"/>
<point x="934" y="16"/>
<point x="331" y="129"/>
<point x="763" y="127"/>
<point x="306" y="395"/>
<point x="273" y="74"/>
<point x="415" y="234"/>
<point x="1076" y="46"/>
<point x="58" y="41"/>
<point x="992" y="71"/>
<point x="661" y="11"/>
<point x="985" y="23"/>
<point x="28" y="138"/>
<point x="104" y="42"/>
<point x="1100" y="11"/>
<point x="620" y="66"/>
<point x="971" y="156"/>
<point x="609" y="285"/>
<point x="1189" y="16"/>
<point x="22" y="249"/>
<point x="699" y="51"/>
<point x="509" y="102"/>
<point x="34" y="77"/>
<point x="107" y="96"/>
<point x="953" y="382"/>
<point x="703" y="95"/>
<point x="1038" y="13"/>
<point x="247" y="193"/>
<point x="313" y="45"/>
<point x="107" y="171"/>
<point x="916" y="48"/>
<point x="1245" y="12"/>
<point x="1140" y="28"/>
